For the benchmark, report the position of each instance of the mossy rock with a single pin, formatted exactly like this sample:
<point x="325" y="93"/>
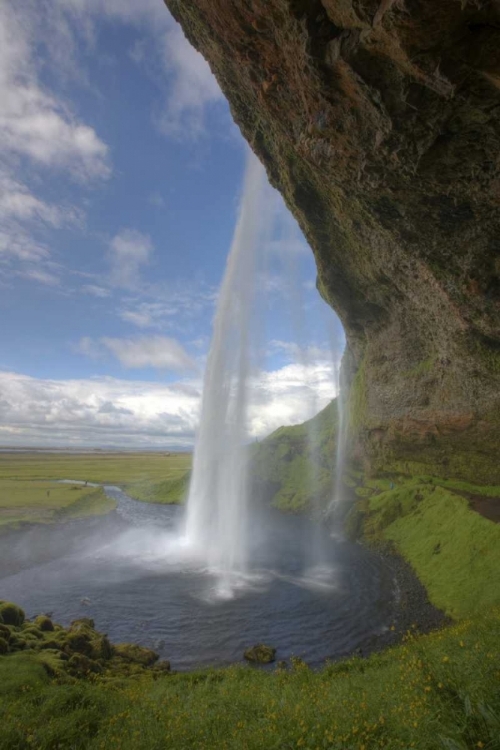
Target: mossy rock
<point x="5" y="632"/>
<point x="260" y="654"/>
<point x="84" y="623"/>
<point x="44" y="623"/>
<point x="136" y="654"/>
<point x="51" y="644"/>
<point x="32" y="632"/>
<point x="17" y="644"/>
<point x="80" y="665"/>
<point x="102" y="648"/>
<point x="162" y="667"/>
<point x="79" y="643"/>
<point x="11" y="614"/>
<point x="4" y="646"/>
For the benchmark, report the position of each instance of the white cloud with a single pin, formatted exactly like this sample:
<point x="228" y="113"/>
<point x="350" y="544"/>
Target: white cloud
<point x="96" y="291"/>
<point x="96" y="412"/>
<point x="129" y="250"/>
<point x="43" y="277"/>
<point x="123" y="413"/>
<point x="161" y="48"/>
<point x="88" y="347"/>
<point x="159" y="352"/>
<point x="34" y="123"/>
<point x="168" y="303"/>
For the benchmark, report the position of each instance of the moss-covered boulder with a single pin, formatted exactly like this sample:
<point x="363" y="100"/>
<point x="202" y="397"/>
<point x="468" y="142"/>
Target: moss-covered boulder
<point x="136" y="654"/>
<point x="11" y="614"/>
<point x="162" y="667"/>
<point x="44" y="623"/>
<point x="17" y="644"/>
<point x="32" y="632"/>
<point x="260" y="654"/>
<point x="4" y="646"/>
<point x="5" y="632"/>
<point x="80" y="665"/>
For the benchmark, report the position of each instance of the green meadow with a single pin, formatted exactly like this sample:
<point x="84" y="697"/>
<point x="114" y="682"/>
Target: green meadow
<point x="30" y="493"/>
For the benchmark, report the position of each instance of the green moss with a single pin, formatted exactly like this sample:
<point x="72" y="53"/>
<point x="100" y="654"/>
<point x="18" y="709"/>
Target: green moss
<point x="421" y="368"/>
<point x="44" y="623"/>
<point x="11" y="614"/>
<point x="136" y="654"/>
<point x="357" y="403"/>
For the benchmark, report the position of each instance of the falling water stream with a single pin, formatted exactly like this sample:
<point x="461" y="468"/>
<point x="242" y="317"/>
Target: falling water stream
<point x="216" y="525"/>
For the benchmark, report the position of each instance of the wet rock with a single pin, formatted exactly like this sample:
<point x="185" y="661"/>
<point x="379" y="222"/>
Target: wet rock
<point x="260" y="654"/>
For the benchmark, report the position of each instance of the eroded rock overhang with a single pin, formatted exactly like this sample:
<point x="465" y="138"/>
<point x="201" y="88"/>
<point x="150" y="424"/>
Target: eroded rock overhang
<point x="379" y="122"/>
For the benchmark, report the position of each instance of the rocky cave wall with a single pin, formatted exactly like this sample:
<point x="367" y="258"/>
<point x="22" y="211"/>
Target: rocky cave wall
<point x="379" y="122"/>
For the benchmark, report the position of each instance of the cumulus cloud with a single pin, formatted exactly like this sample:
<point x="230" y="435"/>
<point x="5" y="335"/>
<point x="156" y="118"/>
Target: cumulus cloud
<point x="95" y="412"/>
<point x="159" y="352"/>
<point x="129" y="250"/>
<point x="34" y="123"/>
<point x="39" y="133"/>
<point x="109" y="412"/>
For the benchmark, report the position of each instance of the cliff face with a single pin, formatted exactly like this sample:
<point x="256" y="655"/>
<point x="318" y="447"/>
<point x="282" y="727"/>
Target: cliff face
<point x="379" y="122"/>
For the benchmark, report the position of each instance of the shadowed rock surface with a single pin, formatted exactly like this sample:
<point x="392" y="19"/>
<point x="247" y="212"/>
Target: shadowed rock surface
<point x="379" y="122"/>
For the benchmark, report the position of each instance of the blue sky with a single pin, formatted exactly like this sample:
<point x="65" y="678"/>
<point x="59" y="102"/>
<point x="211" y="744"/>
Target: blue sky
<point x="120" y="176"/>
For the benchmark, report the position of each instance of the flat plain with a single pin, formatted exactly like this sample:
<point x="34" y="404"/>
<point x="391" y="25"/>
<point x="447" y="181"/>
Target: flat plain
<point x="30" y="491"/>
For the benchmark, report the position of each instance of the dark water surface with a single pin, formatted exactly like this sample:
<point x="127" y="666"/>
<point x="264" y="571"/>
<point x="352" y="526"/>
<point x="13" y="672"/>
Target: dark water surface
<point x="130" y="573"/>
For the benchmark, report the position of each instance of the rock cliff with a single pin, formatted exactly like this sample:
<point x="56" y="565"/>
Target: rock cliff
<point x="379" y="122"/>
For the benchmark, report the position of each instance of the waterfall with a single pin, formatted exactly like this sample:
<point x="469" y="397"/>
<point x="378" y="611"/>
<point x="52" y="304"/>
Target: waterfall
<point x="216" y="523"/>
<point x="341" y="439"/>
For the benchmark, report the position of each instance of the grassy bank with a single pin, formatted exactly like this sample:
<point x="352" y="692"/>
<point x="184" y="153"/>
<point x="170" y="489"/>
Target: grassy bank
<point x="454" y="550"/>
<point x="294" y="467"/>
<point x="29" y="492"/>
<point x="435" y="692"/>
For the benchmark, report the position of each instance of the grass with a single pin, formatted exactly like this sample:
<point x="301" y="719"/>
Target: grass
<point x="102" y="468"/>
<point x="44" y="502"/>
<point x="29" y="492"/>
<point x="171" y="491"/>
<point x="454" y="551"/>
<point x="295" y="465"/>
<point x="435" y="692"/>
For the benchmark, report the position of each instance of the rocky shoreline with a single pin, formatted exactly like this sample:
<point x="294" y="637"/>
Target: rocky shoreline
<point x="414" y="614"/>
